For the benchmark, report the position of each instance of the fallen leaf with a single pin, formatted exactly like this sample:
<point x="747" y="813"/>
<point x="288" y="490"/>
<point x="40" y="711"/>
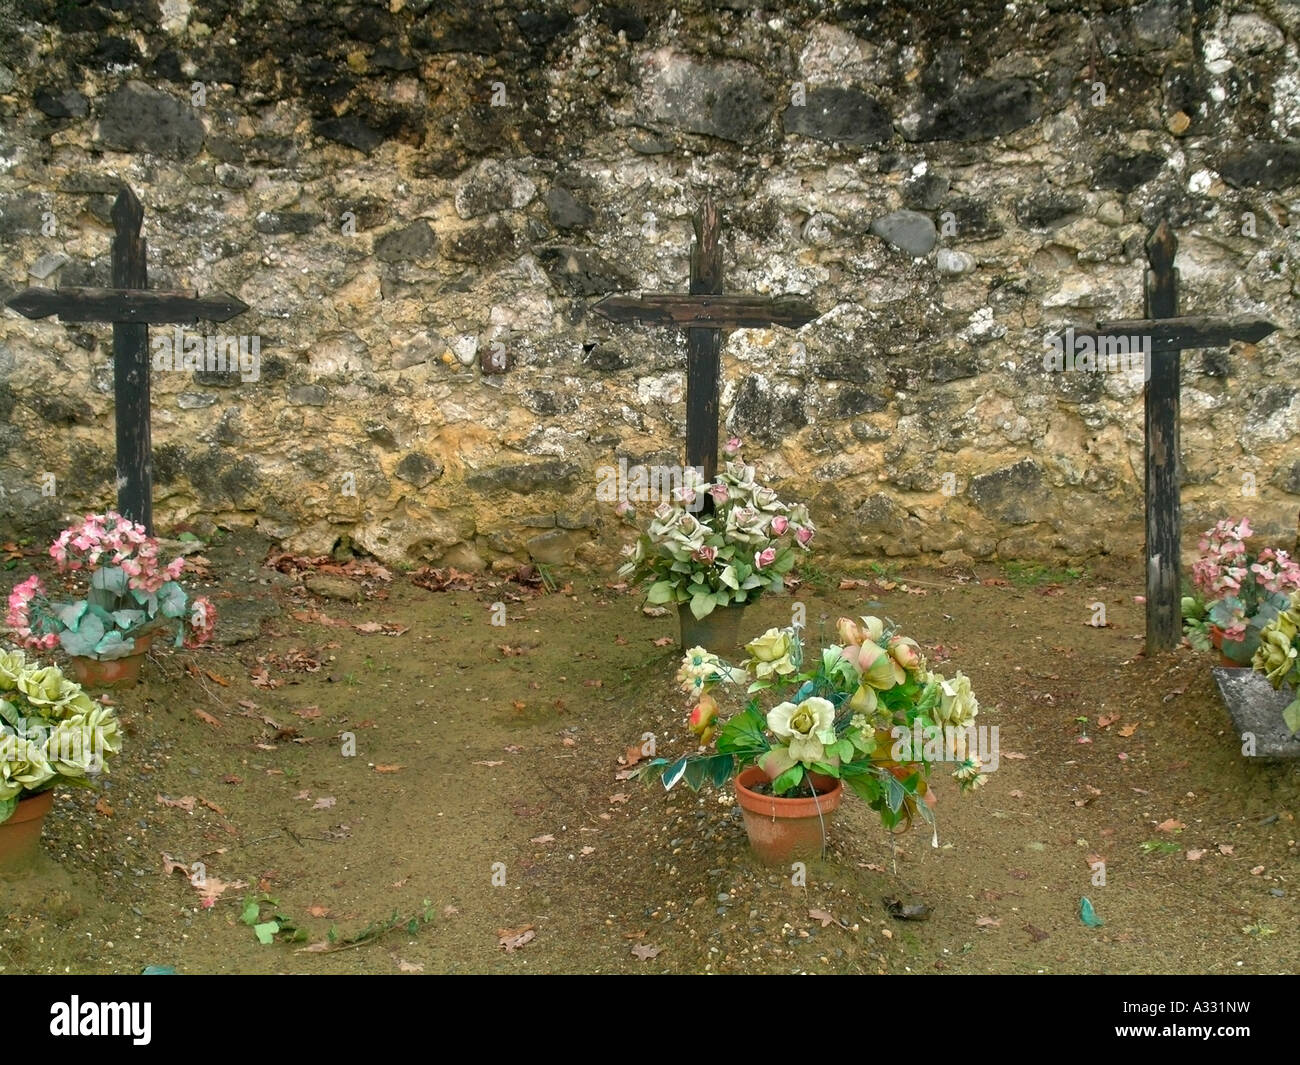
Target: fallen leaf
<point x="325" y="802"/>
<point x="318" y="911"/>
<point x="409" y="967"/>
<point x="185" y="802"/>
<point x="513" y="938"/>
<point x="1036" y="934"/>
<point x="1226" y="848"/>
<point x="593" y="683"/>
<point x="488" y="764"/>
<point x="644" y="951"/>
<point x="513" y="748"/>
<point x="304" y="794"/>
<point x="618" y="797"/>
<point x="1106" y="720"/>
<point x="230" y="778"/>
<point x="1015" y="756"/>
<point x="569" y="741"/>
<point x="1128" y="730"/>
<point x="211" y="806"/>
<point x="449" y="910"/>
<point x="103" y="808"/>
<point x="654" y="611"/>
<point x="1257" y="870"/>
<point x="216" y="678"/>
<point x="247" y="704"/>
<point x="1195" y="855"/>
<point x="1016" y="794"/>
<point x="587" y="850"/>
<point x="388" y="768"/>
<point x="384" y="627"/>
<point x="663" y="641"/>
<point x="827" y="919"/>
<point x="988" y="922"/>
<point x="548" y="838"/>
<point x="308" y="713"/>
<point x="207" y="718"/>
<point x="518" y="705"/>
<point x="1170" y="825"/>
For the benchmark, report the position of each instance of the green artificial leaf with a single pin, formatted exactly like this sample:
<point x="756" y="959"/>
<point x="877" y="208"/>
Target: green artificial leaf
<point x="723" y="766"/>
<point x="9" y="714"/>
<point x="250" y="912"/>
<point x="728" y="577"/>
<point x="92" y="629"/>
<point x="702" y="606"/>
<point x="76" y="644"/>
<point x="70" y="613"/>
<point x="1291" y="715"/>
<point x="7" y="808"/>
<point x="172" y="600"/>
<point x="787" y="780"/>
<point x="265" y="931"/>
<point x="895" y="794"/>
<point x="826" y="769"/>
<point x="110" y="579"/>
<point x="128" y="619"/>
<point x="674" y="773"/>
<point x="114" y="646"/>
<point x="159" y="970"/>
<point x="1160" y="846"/>
<point x="696" y="772"/>
<point x="1088" y="915"/>
<point x="843" y="749"/>
<point x="784" y="561"/>
<point x="741" y="735"/>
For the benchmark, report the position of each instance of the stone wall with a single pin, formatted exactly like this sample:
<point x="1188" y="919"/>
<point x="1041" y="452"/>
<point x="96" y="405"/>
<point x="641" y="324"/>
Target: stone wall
<point x="401" y="190"/>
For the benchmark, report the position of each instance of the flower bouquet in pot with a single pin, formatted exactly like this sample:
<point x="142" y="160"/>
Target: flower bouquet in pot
<point x="717" y="557"/>
<point x="1238" y="592"/>
<point x="1278" y="657"/>
<point x="51" y="733"/>
<point x="129" y="599"/>
<point x="864" y="712"/>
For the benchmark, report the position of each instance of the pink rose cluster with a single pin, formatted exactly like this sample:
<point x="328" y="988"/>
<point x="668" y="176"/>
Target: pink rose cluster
<point x="112" y="540"/>
<point x="19" y="616"/>
<point x="1224" y="565"/>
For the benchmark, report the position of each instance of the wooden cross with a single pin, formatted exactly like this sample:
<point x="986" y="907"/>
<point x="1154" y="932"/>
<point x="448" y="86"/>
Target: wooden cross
<point x="131" y="308"/>
<point x="705" y="314"/>
<point x="1169" y="335"/>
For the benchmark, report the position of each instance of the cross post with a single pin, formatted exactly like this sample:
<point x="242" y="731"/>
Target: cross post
<point x="131" y="308"/>
<point x="1166" y="335"/>
<point x="706" y="314"/>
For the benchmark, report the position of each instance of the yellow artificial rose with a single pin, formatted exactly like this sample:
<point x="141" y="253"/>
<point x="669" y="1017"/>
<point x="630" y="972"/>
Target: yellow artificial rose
<point x="957" y="703"/>
<point x="43" y="686"/>
<point x="12" y="664"/>
<point x="770" y="654"/>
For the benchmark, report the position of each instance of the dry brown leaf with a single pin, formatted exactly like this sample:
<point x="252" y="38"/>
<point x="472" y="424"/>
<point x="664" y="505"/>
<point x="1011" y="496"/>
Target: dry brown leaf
<point x="644" y="951"/>
<point x="185" y="802"/>
<point x="1195" y="855"/>
<point x="318" y="911"/>
<point x="1170" y="825"/>
<point x="230" y="778"/>
<point x="663" y="641"/>
<point x="511" y="939"/>
<point x="308" y="713"/>
<point x="489" y="764"/>
<point x="1106" y="720"/>
<point x="404" y="966"/>
<point x="103" y="808"/>
<point x="383" y="627"/>
<point x="1015" y="756"/>
<point x="1036" y="934"/>
<point x="827" y="919"/>
<point x="988" y="922"/>
<point x="1226" y="848"/>
<point x="618" y="797"/>
<point x="325" y="802"/>
<point x="449" y="910"/>
<point x="548" y="838"/>
<point x="388" y="768"/>
<point x="1016" y="794"/>
<point x="207" y="718"/>
<point x="211" y="806"/>
<point x="587" y="850"/>
<point x="216" y="678"/>
<point x="1257" y="870"/>
<point x="1128" y="730"/>
<point x="569" y="741"/>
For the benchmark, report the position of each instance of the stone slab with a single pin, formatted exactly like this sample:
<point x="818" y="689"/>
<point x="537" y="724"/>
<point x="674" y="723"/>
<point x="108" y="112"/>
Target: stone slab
<point x="1257" y="709"/>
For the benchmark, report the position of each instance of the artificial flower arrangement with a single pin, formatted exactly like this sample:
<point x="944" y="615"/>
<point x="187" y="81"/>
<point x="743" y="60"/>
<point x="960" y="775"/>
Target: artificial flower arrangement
<point x="130" y="596"/>
<point x="728" y="555"/>
<point x="51" y="731"/>
<point x="1237" y="592"/>
<point x="1278" y="657"/>
<point x="856" y="711"/>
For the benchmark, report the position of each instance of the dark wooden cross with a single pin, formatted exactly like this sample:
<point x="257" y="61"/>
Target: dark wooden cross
<point x="131" y="308"/>
<point x="1169" y="335"/>
<point x="705" y="314"/>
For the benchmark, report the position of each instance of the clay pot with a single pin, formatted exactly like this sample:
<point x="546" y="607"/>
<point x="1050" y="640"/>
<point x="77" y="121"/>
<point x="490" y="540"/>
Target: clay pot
<point x="111" y="673"/>
<point x="718" y="631"/>
<point x="20" y="835"/>
<point x="1216" y="641"/>
<point x="782" y="829"/>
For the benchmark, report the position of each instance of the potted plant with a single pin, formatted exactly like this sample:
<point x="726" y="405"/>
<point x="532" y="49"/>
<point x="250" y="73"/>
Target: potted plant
<point x="1278" y="657"/>
<point x="51" y="732"/>
<point x="716" y="547"/>
<point x="863" y="712"/>
<point x="1241" y="591"/>
<point x="129" y="599"/>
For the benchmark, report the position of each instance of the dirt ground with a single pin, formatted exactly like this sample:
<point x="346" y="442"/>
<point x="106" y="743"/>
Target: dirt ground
<point x="484" y="794"/>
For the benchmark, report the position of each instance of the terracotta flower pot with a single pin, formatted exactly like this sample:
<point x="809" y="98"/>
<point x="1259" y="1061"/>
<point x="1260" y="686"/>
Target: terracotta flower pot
<point x="20" y="835"/>
<point x="718" y="631"/>
<point x="782" y="829"/>
<point x="1216" y="641"/>
<point x="112" y="673"/>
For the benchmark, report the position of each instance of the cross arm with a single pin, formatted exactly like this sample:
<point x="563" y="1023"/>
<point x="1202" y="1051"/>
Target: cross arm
<point x="708" y="312"/>
<point x="1177" y="334"/>
<point x="142" y="306"/>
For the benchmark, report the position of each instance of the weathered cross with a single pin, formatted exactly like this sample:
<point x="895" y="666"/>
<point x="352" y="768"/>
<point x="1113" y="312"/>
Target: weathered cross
<point x="705" y="314"/>
<point x="131" y="308"/>
<point x="1169" y="335"/>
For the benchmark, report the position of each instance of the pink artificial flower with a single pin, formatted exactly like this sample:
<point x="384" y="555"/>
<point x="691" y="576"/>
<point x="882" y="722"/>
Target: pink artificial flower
<point x="732" y="447"/>
<point x="705" y="554"/>
<point x="764" y="558"/>
<point x="779" y="525"/>
<point x="804" y="535"/>
<point x="719" y="493"/>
